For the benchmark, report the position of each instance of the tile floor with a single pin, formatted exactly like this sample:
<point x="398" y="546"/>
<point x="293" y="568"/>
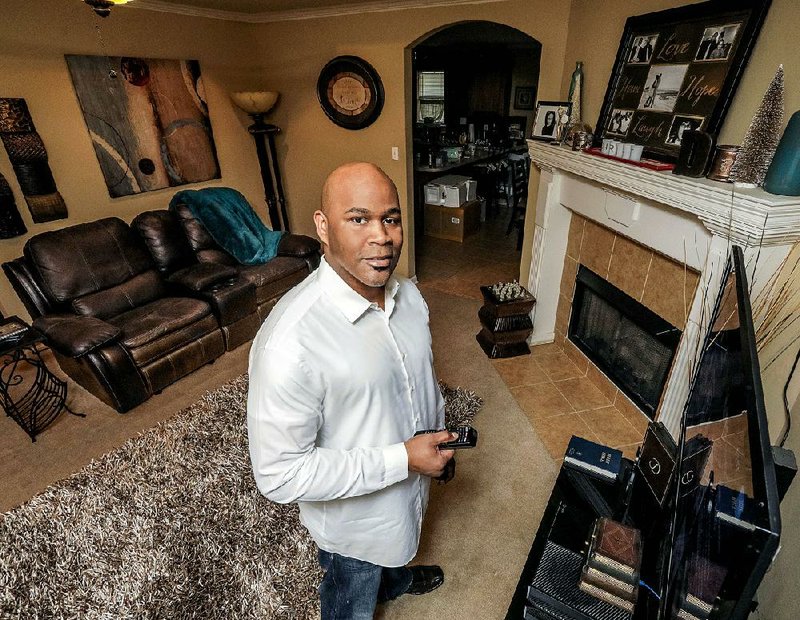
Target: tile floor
<point x="557" y="396"/>
<point x="462" y="268"/>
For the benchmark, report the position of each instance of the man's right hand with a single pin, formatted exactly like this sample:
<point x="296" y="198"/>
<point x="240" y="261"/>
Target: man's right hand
<point x="424" y="456"/>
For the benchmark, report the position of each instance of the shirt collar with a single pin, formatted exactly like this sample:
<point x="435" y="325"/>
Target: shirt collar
<point x="350" y="303"/>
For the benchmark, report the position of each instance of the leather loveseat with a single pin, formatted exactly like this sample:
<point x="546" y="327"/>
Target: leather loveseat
<point x="298" y="255"/>
<point x="128" y="310"/>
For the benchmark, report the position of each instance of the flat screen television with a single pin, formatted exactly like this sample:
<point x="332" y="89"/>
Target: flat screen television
<point x="723" y="536"/>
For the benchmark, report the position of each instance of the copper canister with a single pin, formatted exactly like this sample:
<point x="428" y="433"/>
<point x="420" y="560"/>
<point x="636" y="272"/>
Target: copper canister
<point x="724" y="156"/>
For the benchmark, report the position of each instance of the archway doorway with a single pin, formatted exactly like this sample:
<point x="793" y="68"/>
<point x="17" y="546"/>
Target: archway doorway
<point x="473" y="88"/>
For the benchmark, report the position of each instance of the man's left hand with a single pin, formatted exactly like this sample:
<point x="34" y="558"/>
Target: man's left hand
<point x="424" y="455"/>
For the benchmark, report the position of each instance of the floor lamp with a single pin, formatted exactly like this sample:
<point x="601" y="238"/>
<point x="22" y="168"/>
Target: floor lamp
<point x="257" y="105"/>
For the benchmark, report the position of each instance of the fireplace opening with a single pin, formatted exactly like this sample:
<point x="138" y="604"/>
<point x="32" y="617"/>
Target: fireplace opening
<point x="630" y="343"/>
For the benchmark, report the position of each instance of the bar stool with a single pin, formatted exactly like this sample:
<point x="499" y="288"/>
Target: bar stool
<point x="517" y="195"/>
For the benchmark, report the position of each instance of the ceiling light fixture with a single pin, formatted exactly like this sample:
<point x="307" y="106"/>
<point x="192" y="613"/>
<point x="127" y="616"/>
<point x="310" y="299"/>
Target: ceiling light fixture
<point x="103" y="7"/>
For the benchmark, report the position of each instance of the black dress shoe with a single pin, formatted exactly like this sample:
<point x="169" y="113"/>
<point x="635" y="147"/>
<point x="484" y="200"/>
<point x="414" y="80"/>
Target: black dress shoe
<point x="424" y="579"/>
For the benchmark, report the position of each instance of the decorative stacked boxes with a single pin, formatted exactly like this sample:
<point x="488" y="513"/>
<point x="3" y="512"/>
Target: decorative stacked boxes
<point x="611" y="572"/>
<point x="505" y="320"/>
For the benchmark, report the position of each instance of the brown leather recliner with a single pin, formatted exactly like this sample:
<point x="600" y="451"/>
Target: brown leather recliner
<point x="298" y="255"/>
<point x="232" y="298"/>
<point x="115" y="325"/>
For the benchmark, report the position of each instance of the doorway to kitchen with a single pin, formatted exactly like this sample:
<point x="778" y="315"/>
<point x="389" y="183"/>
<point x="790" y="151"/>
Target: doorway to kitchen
<point x="473" y="87"/>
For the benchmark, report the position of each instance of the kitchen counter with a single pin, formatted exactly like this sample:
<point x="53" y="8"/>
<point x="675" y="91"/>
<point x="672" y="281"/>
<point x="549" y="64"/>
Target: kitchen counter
<point x="425" y="174"/>
<point x="481" y="156"/>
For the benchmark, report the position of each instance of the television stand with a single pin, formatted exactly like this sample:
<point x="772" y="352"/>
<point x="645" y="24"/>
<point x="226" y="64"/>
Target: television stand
<point x="548" y="584"/>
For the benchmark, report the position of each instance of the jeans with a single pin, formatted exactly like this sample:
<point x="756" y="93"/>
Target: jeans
<point x="351" y="588"/>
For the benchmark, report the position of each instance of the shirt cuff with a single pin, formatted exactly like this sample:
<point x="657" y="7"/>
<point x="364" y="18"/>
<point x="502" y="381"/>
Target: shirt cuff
<point x="395" y="461"/>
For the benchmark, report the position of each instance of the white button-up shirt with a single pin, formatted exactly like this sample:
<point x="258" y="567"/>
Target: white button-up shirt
<point x="336" y="386"/>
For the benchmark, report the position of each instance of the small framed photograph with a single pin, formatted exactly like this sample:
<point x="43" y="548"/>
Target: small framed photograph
<point x="550" y="117"/>
<point x="619" y="122"/>
<point x="681" y="124"/>
<point x="524" y="97"/>
<point x="641" y="50"/>
<point x="662" y="87"/>
<point x="717" y="42"/>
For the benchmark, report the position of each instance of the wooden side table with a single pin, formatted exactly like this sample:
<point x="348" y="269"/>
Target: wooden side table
<point x="29" y="392"/>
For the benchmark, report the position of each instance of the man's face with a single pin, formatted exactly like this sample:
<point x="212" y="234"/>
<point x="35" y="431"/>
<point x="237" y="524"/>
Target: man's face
<point x="362" y="231"/>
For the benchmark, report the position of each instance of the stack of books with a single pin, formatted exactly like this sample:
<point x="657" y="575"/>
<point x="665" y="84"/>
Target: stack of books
<point x="704" y="583"/>
<point x="611" y="572"/>
<point x="593" y="458"/>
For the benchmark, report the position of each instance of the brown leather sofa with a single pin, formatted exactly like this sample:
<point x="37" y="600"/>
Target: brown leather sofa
<point x="298" y="255"/>
<point x="128" y="310"/>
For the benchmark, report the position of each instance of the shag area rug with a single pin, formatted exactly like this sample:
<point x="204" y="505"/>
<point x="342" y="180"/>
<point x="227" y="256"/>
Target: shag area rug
<point x="169" y="525"/>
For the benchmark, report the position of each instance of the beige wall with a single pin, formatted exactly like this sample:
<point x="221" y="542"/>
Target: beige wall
<point x="778" y="594"/>
<point x="293" y="53"/>
<point x="285" y="56"/>
<point x="34" y="36"/>
<point x="595" y="30"/>
<point x="288" y="56"/>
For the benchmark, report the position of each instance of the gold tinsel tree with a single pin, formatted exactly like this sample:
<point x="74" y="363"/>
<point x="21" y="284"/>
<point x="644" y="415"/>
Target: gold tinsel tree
<point x="762" y="137"/>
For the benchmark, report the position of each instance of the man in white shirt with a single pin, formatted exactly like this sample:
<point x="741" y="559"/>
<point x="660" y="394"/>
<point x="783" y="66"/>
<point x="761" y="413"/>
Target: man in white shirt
<point x="341" y="377"/>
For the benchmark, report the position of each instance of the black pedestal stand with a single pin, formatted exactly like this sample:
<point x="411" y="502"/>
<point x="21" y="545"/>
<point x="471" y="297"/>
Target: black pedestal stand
<point x="505" y="325"/>
<point x="270" y="172"/>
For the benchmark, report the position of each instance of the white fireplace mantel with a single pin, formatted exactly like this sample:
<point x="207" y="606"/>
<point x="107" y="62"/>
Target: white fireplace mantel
<point x="692" y="221"/>
<point x="745" y="216"/>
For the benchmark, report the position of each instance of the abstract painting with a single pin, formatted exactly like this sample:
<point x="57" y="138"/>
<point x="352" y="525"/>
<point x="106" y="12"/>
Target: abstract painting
<point x="28" y="157"/>
<point x="148" y="121"/>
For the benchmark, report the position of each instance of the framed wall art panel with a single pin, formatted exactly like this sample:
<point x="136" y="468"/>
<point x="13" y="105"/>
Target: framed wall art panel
<point x="677" y="70"/>
<point x="29" y="159"/>
<point x="148" y="121"/>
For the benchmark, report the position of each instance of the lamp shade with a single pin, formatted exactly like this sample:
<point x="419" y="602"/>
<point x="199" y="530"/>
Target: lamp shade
<point x="103" y="7"/>
<point x="255" y="102"/>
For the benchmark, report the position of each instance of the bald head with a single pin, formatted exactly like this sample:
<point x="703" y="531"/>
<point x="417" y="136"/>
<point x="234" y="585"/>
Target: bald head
<point x="351" y="178"/>
<point x="360" y="227"/>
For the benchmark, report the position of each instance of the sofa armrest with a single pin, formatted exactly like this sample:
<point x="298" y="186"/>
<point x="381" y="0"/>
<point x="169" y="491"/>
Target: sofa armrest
<point x="74" y="335"/>
<point x="202" y="276"/>
<point x="27" y="287"/>
<point x="299" y="246"/>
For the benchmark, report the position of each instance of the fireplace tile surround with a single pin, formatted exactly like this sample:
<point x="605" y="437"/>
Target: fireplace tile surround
<point x="659" y="283"/>
<point x="660" y="238"/>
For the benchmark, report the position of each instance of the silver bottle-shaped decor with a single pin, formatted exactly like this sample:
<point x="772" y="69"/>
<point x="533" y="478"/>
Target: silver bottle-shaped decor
<point x="576" y="94"/>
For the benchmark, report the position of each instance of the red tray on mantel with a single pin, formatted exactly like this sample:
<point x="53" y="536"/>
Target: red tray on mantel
<point x="650" y="164"/>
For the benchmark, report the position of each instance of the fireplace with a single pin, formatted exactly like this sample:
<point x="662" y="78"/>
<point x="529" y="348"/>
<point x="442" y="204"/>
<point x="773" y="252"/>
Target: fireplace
<point x="661" y="238"/>
<point x="628" y="342"/>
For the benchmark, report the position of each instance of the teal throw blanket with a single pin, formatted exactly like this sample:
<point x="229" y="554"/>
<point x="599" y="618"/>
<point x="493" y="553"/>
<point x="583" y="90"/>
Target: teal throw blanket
<point x="231" y="222"/>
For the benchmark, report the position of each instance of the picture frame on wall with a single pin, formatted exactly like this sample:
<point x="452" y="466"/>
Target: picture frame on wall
<point x="524" y="97"/>
<point x="549" y="119"/>
<point x="678" y="70"/>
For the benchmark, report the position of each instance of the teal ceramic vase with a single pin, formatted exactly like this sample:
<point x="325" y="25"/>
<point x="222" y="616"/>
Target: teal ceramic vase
<point x="783" y="175"/>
